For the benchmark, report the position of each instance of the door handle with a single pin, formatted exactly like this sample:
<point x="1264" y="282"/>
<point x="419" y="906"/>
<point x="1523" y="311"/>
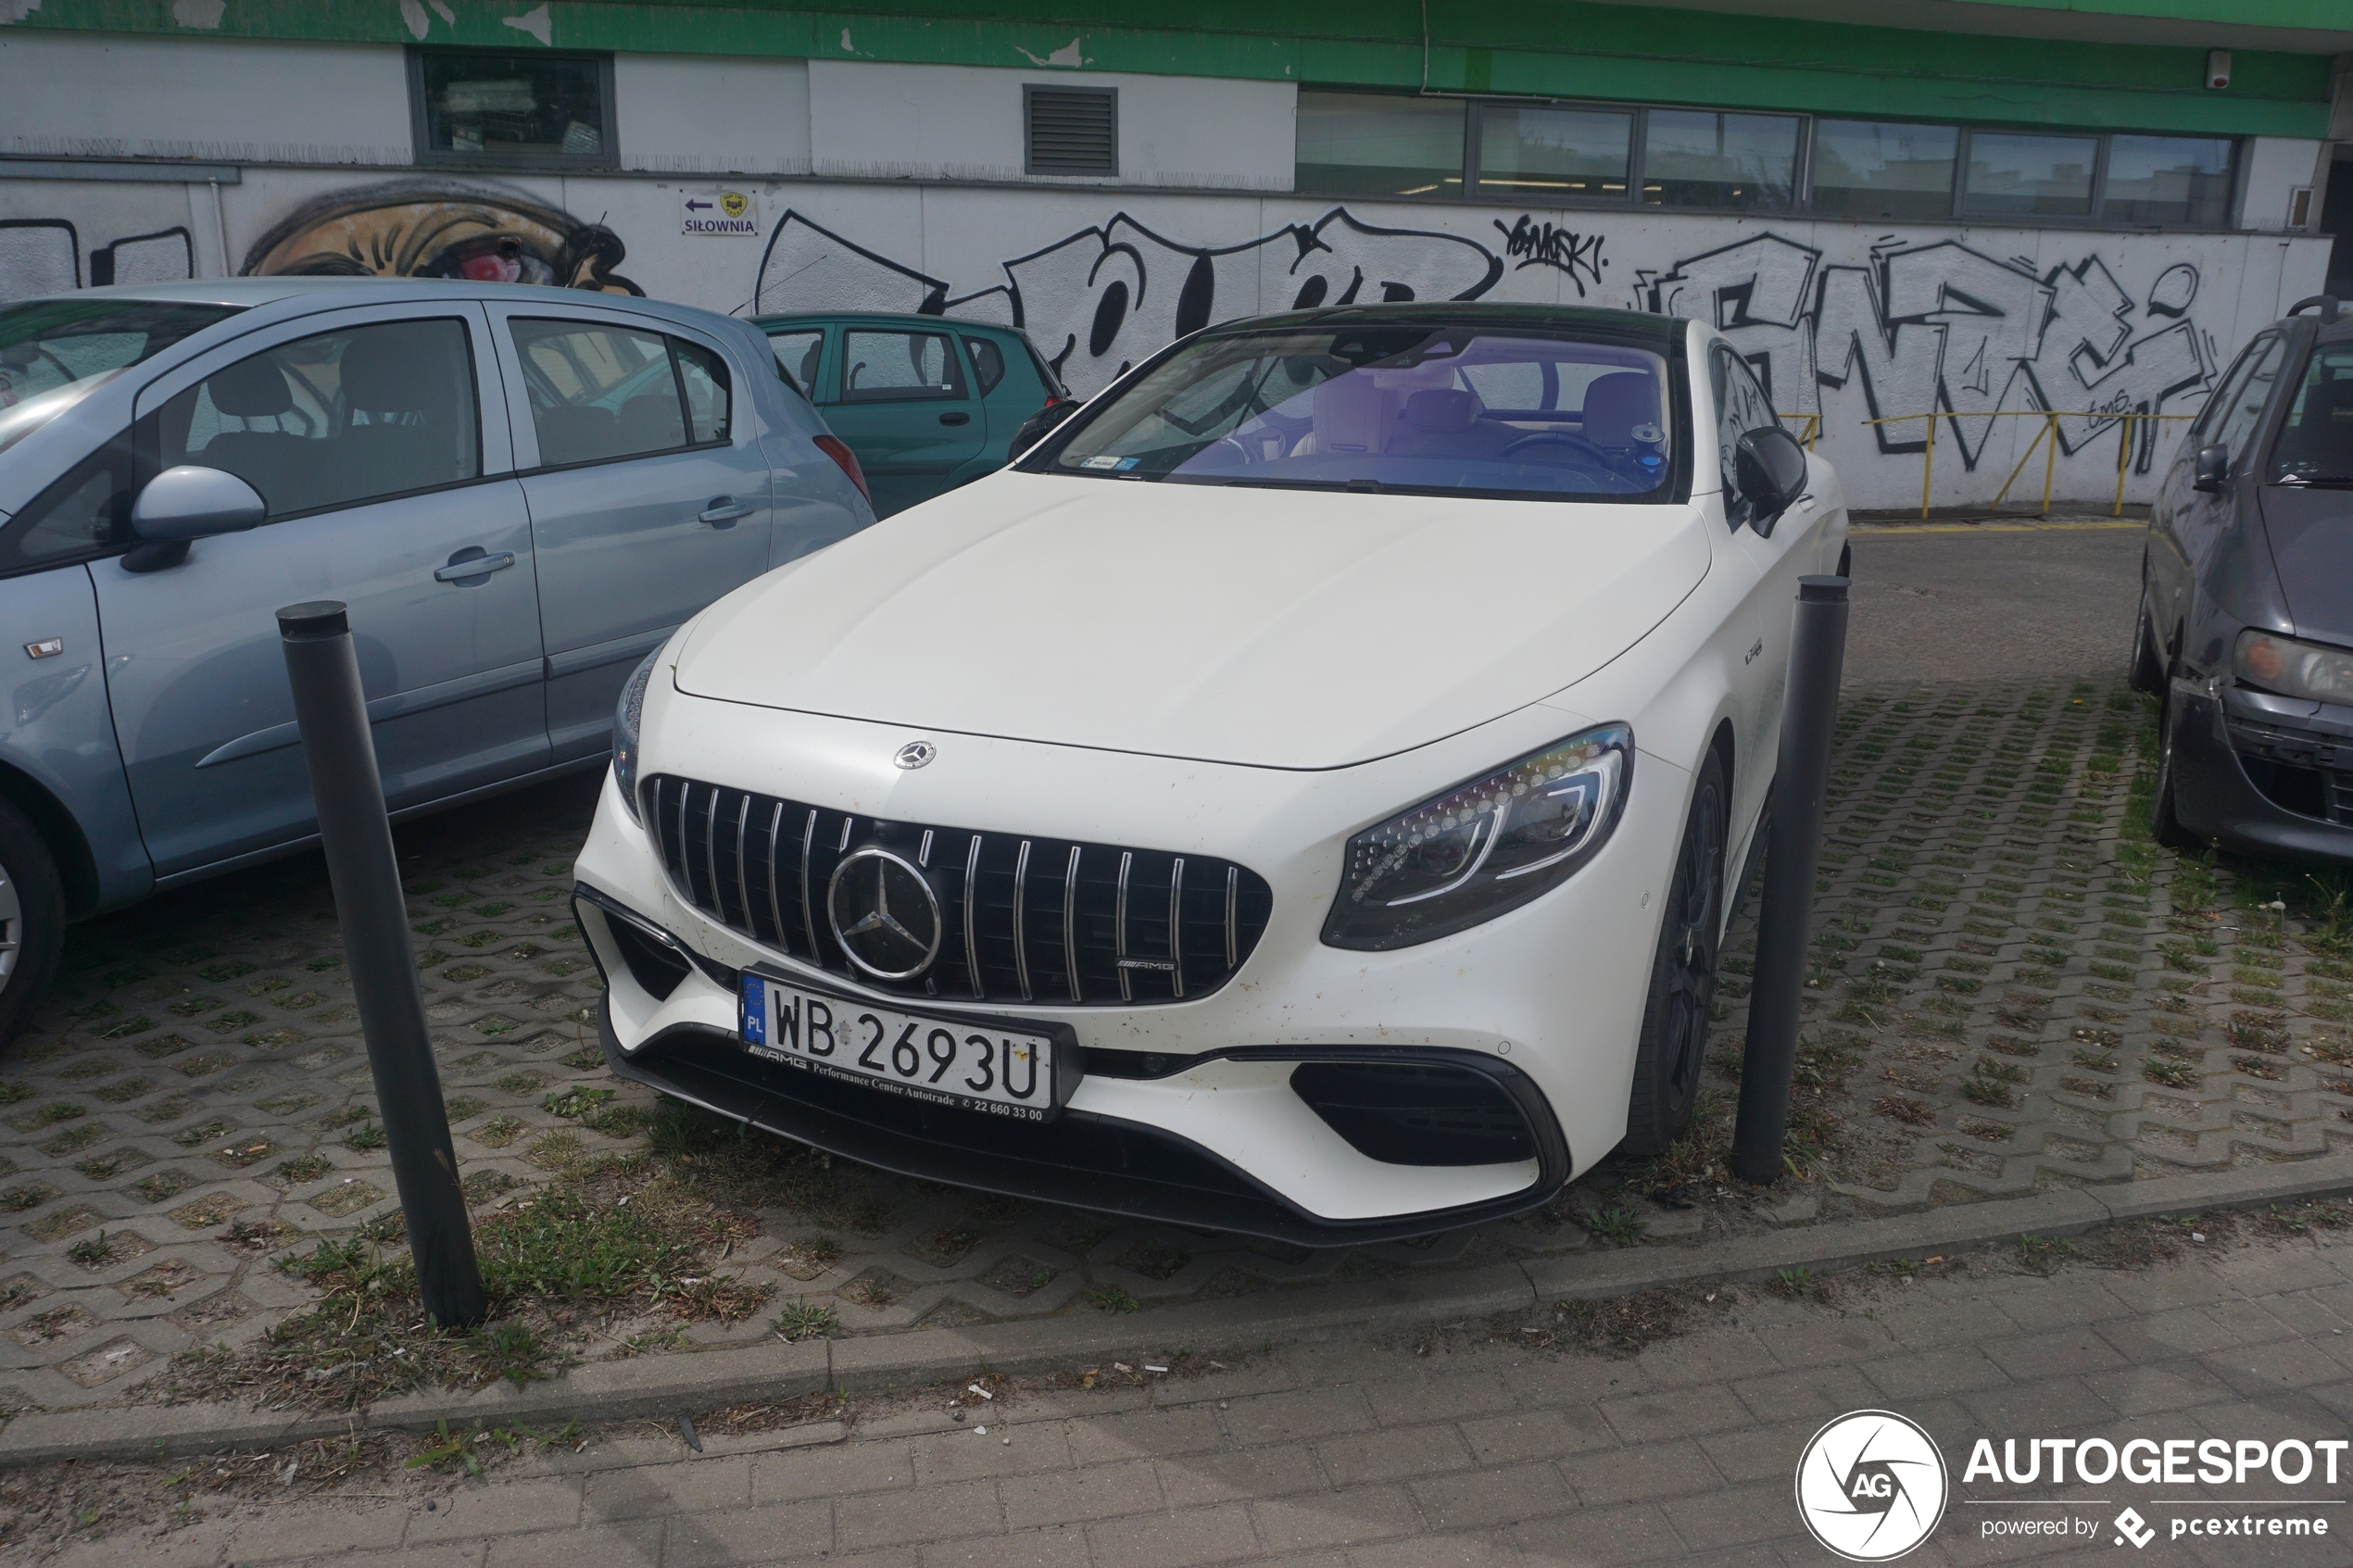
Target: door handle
<point x="723" y="510"/>
<point x="479" y="564"/>
<point x="955" y="418"/>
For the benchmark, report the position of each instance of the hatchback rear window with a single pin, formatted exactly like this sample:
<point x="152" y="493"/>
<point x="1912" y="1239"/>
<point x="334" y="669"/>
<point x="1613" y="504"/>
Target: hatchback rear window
<point x="1472" y="409"/>
<point x="55" y="352"/>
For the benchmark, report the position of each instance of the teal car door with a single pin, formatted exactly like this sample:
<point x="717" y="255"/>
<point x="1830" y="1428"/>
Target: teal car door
<point x="905" y="402"/>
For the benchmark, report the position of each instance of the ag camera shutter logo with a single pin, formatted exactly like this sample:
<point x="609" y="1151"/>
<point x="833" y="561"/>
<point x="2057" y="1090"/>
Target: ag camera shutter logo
<point x="1871" y="1486"/>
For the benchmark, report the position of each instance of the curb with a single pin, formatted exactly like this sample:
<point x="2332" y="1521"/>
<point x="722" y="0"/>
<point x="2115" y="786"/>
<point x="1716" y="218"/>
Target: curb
<point x="665" y="1385"/>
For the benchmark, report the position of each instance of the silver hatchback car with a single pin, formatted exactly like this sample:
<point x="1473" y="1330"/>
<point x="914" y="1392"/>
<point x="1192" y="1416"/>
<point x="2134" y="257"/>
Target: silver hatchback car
<point x="519" y="492"/>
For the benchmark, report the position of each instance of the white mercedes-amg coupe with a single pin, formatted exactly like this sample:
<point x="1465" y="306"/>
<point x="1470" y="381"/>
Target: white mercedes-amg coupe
<point x="1298" y="797"/>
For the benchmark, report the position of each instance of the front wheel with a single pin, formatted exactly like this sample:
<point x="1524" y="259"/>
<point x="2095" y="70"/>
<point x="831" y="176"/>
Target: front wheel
<point x="1682" y="987"/>
<point x="2164" y="826"/>
<point x="33" y="918"/>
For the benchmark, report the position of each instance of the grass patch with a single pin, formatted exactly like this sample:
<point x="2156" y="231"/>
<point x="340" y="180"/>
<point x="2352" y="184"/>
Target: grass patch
<point x="801" y="1320"/>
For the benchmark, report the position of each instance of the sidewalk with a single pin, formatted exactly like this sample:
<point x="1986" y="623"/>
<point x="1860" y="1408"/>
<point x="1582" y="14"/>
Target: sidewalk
<point x="1503" y="1442"/>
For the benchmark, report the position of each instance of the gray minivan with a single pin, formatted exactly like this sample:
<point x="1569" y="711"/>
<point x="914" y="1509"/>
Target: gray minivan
<point x="519" y="492"/>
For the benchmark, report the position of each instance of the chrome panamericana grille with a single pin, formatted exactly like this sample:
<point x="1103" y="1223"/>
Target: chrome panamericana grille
<point x="1024" y="919"/>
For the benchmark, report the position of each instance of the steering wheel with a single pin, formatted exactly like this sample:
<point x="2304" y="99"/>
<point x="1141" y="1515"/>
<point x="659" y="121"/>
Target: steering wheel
<point x="1558" y="437"/>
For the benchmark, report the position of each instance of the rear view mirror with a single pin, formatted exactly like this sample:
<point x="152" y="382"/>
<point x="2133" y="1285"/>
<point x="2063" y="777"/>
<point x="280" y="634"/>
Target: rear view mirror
<point x="194" y="503"/>
<point x="1033" y="429"/>
<point x="2213" y="466"/>
<point x="1770" y="469"/>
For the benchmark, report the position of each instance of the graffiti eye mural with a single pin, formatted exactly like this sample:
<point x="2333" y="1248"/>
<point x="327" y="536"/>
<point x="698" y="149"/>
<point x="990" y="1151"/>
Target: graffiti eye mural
<point x="431" y="229"/>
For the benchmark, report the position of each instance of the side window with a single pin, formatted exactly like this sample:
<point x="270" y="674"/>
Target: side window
<point x="892" y="366"/>
<point x="703" y="374"/>
<point x="1741" y="407"/>
<point x="598" y="392"/>
<point x="334" y="419"/>
<point x="797" y="356"/>
<point x="2201" y="429"/>
<point x="2249" y="398"/>
<point x="989" y="364"/>
<point x="85" y="512"/>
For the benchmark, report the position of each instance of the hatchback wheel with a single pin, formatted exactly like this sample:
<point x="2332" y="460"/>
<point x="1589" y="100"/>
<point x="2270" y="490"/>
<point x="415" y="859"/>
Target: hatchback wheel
<point x="2164" y="826"/>
<point x="1682" y="988"/>
<point x="32" y="917"/>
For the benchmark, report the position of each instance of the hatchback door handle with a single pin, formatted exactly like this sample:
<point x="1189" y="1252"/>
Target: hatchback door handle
<point x="476" y="565"/>
<point x="723" y="510"/>
<point x="955" y="418"/>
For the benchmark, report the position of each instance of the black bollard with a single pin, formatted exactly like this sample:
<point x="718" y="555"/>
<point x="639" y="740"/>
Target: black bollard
<point x="356" y="834"/>
<point x="1784" y="919"/>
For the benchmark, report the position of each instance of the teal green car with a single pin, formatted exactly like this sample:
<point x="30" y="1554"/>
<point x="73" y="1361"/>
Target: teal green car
<point x="926" y="404"/>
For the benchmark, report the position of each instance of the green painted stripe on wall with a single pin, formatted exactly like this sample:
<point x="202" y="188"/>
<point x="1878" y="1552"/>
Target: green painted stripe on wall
<point x="1600" y="51"/>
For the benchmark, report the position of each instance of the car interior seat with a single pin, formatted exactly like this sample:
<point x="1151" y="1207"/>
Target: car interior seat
<point x="1614" y="404"/>
<point x="418" y="429"/>
<point x="270" y="460"/>
<point x="1444" y="422"/>
<point x="651" y="421"/>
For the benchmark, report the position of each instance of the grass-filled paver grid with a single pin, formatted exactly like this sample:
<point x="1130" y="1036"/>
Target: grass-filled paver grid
<point x="2012" y="987"/>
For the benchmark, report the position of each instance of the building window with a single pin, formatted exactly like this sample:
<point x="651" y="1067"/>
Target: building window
<point x="487" y="107"/>
<point x="1607" y="155"/>
<point x="2027" y="174"/>
<point x="1072" y="129"/>
<point x="1545" y="154"/>
<point x="1379" y="145"/>
<point x="2181" y="180"/>
<point x="1695" y="158"/>
<point x="1871" y="170"/>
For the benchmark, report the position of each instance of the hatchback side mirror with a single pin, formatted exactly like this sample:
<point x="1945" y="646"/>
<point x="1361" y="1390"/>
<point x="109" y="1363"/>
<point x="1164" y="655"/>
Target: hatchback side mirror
<point x="1769" y="467"/>
<point x="189" y="502"/>
<point x="2213" y="466"/>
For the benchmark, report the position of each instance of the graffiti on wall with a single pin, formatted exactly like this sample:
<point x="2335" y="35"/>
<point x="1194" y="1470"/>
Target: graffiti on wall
<point x="433" y="229"/>
<point x="1912" y="327"/>
<point x="1101" y="299"/>
<point x="1943" y="327"/>
<point x="41" y="255"/>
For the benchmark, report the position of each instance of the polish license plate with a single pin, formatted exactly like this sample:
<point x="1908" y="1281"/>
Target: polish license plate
<point x="1001" y="1066"/>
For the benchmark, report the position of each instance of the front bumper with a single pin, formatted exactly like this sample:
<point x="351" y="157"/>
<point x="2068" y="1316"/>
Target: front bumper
<point x="1190" y="1109"/>
<point x="2242" y="760"/>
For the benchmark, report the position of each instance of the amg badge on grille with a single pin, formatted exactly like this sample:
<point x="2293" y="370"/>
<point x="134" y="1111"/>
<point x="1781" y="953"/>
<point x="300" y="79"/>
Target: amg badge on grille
<point x="915" y="753"/>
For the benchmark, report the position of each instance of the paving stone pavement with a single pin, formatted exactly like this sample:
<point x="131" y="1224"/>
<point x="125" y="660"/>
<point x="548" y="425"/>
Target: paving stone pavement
<point x="2014" y="990"/>
<point x="1464" y="1447"/>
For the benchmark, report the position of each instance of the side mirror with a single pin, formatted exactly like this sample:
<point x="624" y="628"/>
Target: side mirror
<point x="2213" y="466"/>
<point x="194" y="503"/>
<point x="1769" y="467"/>
<point x="1033" y="429"/>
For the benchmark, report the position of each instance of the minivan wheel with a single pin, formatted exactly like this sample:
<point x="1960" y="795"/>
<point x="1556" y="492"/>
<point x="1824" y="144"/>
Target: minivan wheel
<point x="1682" y="987"/>
<point x="33" y="918"/>
<point x="2164" y="826"/>
<point x="2146" y="670"/>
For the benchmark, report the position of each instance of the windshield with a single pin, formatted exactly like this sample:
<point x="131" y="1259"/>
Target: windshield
<point x="1494" y="410"/>
<point x="2315" y="443"/>
<point x="55" y="352"/>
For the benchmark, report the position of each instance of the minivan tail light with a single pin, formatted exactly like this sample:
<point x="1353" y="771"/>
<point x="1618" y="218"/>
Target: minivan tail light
<point x="838" y="450"/>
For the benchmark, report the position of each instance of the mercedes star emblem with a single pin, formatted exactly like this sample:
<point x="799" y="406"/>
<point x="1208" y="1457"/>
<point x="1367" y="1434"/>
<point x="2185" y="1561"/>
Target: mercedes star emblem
<point x="883" y="914"/>
<point x="915" y="753"/>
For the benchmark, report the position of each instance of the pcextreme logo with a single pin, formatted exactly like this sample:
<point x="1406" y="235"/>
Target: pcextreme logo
<point x="1871" y="1486"/>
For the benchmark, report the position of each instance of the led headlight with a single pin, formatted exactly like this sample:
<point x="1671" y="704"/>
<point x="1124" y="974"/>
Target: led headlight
<point x="626" y="715"/>
<point x="2293" y="668"/>
<point x="1484" y="846"/>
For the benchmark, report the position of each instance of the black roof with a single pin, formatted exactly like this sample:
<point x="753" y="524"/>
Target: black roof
<point x="1664" y="331"/>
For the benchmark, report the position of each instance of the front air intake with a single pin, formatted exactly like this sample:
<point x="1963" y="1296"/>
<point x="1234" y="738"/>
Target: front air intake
<point x="1411" y="1114"/>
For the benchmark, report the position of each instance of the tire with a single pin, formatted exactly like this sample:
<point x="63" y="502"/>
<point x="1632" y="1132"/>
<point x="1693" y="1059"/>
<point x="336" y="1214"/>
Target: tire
<point x="33" y="919"/>
<point x="1846" y="561"/>
<point x="2146" y="671"/>
<point x="2164" y="825"/>
<point x="1677" y="1013"/>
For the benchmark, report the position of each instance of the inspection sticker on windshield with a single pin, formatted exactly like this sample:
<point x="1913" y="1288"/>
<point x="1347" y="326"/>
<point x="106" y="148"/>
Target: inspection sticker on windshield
<point x="1102" y="460"/>
<point x="1001" y="1066"/>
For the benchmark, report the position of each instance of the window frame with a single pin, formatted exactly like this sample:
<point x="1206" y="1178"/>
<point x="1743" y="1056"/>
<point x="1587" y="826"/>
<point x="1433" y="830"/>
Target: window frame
<point x="420" y="129"/>
<point x="147" y="428"/>
<point x="668" y="333"/>
<point x="962" y="393"/>
<point x="1468" y="188"/>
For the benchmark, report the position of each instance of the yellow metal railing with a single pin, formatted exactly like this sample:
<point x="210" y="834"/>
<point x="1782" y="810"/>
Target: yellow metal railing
<point x="2046" y="438"/>
<point x="1813" y="427"/>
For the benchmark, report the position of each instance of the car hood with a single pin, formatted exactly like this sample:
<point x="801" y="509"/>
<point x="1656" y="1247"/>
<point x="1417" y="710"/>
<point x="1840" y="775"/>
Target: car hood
<point x="2311" y="536"/>
<point x="1280" y="629"/>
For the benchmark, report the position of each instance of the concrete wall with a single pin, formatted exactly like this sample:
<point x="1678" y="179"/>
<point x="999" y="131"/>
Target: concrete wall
<point x="962" y="122"/>
<point x="695" y="114"/>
